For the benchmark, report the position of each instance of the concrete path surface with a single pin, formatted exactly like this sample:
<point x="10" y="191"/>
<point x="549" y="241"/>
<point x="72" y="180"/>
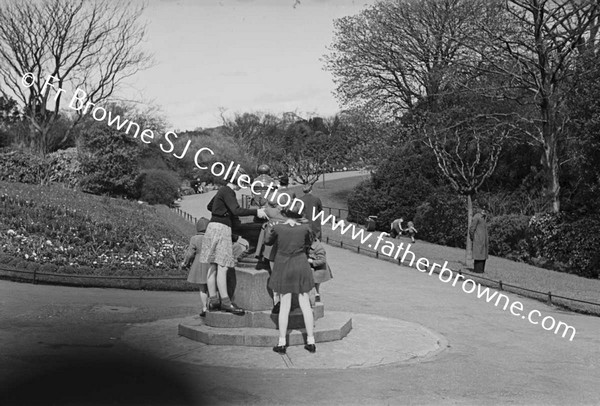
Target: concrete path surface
<point x="62" y="345"/>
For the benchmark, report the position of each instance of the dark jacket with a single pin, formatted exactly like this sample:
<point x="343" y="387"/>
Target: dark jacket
<point x="312" y="203"/>
<point x="225" y="208"/>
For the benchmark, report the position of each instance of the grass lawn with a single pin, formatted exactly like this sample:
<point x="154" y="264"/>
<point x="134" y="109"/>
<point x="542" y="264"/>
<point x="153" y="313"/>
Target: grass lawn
<point x="334" y="193"/>
<point x="498" y="269"/>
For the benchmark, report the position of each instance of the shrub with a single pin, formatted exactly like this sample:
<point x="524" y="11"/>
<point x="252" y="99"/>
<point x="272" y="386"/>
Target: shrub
<point x="109" y="162"/>
<point x="508" y="236"/>
<point x="17" y="166"/>
<point x="364" y="201"/>
<point x="65" y="167"/>
<point x="443" y="220"/>
<point x="562" y="239"/>
<point x="396" y="190"/>
<point x="158" y="186"/>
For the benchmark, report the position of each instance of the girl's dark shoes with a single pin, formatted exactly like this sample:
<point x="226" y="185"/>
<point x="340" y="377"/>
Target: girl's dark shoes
<point x="232" y="308"/>
<point x="310" y="348"/>
<point x="280" y="349"/>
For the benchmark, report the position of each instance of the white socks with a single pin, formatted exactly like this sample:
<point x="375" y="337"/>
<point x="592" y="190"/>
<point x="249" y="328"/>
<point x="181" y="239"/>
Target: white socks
<point x="281" y="342"/>
<point x="310" y="340"/>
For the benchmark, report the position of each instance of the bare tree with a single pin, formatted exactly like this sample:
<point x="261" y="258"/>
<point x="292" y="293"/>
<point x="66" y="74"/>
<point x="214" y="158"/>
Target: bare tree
<point x="466" y="158"/>
<point x="396" y="54"/>
<point x="536" y="52"/>
<point x="78" y="44"/>
<point x="258" y="134"/>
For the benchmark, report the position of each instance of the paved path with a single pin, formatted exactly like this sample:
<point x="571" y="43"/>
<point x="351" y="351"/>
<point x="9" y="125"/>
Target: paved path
<point x="84" y="343"/>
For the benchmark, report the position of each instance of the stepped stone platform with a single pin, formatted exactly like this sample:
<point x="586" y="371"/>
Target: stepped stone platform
<point x="261" y="319"/>
<point x="258" y="327"/>
<point x="331" y="328"/>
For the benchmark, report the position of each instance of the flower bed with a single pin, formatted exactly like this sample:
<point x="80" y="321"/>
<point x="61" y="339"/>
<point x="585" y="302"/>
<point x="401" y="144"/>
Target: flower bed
<point x="52" y="229"/>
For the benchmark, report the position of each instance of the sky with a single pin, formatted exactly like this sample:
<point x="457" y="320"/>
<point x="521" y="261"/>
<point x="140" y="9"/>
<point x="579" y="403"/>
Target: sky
<point x="238" y="55"/>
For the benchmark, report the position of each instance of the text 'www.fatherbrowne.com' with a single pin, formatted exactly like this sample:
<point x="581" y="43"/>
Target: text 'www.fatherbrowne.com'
<point x="445" y="274"/>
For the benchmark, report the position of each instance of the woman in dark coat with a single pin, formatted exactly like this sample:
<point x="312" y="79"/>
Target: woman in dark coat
<point x="292" y="273"/>
<point x="479" y="236"/>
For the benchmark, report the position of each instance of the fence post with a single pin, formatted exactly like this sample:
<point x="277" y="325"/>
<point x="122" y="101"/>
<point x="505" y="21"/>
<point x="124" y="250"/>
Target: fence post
<point x="377" y="254"/>
<point x="500" y="283"/>
<point x="327" y="239"/>
<point x="341" y="244"/>
<point x="358" y="249"/>
<point x="550" y="298"/>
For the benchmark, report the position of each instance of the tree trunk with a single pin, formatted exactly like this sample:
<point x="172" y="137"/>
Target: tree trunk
<point x="553" y="172"/>
<point x="469" y="250"/>
<point x="550" y="134"/>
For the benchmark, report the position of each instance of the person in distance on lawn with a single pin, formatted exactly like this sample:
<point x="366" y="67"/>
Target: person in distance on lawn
<point x="396" y="227"/>
<point x="479" y="236"/>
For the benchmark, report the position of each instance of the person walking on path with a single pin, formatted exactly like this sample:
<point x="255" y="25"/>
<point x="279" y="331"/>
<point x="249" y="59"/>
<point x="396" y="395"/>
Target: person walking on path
<point x="479" y="236"/>
<point x="217" y="246"/>
<point x="292" y="273"/>
<point x="312" y="207"/>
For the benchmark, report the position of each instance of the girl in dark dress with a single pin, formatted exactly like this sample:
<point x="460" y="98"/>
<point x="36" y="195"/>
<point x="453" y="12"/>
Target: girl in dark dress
<point x="292" y="273"/>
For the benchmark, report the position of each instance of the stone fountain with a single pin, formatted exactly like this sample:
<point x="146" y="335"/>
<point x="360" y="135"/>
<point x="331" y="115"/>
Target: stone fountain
<point x="248" y="289"/>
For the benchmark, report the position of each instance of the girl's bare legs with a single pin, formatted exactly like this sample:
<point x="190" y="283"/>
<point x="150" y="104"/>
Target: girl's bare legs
<point x="211" y="284"/>
<point x="304" y="302"/>
<point x="203" y="297"/>
<point x="317" y="293"/>
<point x="222" y="286"/>
<point x="275" y="294"/>
<point x="284" y="314"/>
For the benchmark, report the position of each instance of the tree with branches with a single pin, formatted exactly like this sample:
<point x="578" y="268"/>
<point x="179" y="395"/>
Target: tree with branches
<point x="466" y="156"/>
<point x="394" y="55"/>
<point x="536" y="52"/>
<point x="78" y="44"/>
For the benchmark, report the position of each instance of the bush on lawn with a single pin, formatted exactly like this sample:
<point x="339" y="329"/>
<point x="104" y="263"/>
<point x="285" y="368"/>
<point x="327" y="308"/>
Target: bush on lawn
<point x="567" y="241"/>
<point x="443" y="220"/>
<point x="509" y="236"/>
<point x="159" y="186"/>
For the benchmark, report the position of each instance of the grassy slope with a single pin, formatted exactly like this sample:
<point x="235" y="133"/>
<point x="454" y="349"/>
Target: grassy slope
<point x="335" y="192"/>
<point x="70" y="218"/>
<point x="498" y="269"/>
